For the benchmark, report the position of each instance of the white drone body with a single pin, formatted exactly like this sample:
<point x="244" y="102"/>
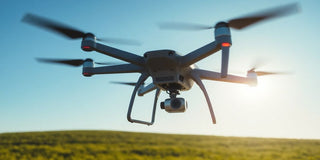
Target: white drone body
<point x="170" y="71"/>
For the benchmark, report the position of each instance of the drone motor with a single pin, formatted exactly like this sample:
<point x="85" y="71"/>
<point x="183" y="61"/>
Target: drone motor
<point x="88" y="63"/>
<point x="88" y="40"/>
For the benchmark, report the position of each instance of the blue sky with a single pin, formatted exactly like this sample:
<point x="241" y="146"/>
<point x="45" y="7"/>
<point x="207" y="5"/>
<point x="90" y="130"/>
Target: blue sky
<point x="36" y="96"/>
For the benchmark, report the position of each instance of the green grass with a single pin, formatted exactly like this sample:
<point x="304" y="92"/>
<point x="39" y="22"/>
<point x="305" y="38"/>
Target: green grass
<point x="101" y="145"/>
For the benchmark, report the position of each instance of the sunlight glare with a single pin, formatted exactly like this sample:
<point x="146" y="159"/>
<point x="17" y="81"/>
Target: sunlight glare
<point x="255" y="94"/>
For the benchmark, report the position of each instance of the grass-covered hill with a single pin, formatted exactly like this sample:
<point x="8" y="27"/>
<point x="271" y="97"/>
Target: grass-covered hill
<point x="101" y="145"/>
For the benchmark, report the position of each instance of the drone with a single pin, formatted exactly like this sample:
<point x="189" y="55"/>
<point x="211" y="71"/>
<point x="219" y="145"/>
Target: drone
<point x="170" y="71"/>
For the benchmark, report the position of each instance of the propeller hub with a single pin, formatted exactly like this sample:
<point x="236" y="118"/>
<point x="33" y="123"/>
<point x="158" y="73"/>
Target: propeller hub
<point x="89" y="36"/>
<point x="221" y="24"/>
<point x="252" y="70"/>
<point x="88" y="60"/>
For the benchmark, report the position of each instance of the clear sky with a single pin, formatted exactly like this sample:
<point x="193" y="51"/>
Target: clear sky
<point x="38" y="97"/>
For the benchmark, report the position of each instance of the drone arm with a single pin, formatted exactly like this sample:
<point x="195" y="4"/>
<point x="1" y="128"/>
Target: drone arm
<point x="144" y="90"/>
<point x="90" y="44"/>
<point x="224" y="60"/>
<point x="196" y="77"/>
<point x="215" y="76"/>
<point x="158" y="91"/>
<point x="200" y="53"/>
<point x="123" y="68"/>
<point x="142" y="78"/>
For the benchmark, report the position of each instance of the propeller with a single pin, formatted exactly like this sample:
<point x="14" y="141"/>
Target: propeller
<point x="106" y="63"/>
<point x="237" y="23"/>
<point x="260" y="63"/>
<point x="71" y="62"/>
<point x="68" y="31"/>
<point x="125" y="83"/>
<point x="264" y="73"/>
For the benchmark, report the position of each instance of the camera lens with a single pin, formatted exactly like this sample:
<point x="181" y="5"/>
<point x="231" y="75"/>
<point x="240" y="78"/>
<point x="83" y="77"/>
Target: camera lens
<point x="162" y="105"/>
<point x="175" y="103"/>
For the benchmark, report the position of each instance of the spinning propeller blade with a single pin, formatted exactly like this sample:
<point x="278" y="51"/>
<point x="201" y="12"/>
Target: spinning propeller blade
<point x="125" y="83"/>
<point x="245" y="21"/>
<point x="106" y="63"/>
<point x="264" y="73"/>
<point x="237" y="23"/>
<point x="53" y="26"/>
<point x="71" y="62"/>
<point x="68" y="31"/>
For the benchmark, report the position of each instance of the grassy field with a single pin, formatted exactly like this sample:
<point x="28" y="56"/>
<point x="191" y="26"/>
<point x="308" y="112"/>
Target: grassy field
<point x="101" y="145"/>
